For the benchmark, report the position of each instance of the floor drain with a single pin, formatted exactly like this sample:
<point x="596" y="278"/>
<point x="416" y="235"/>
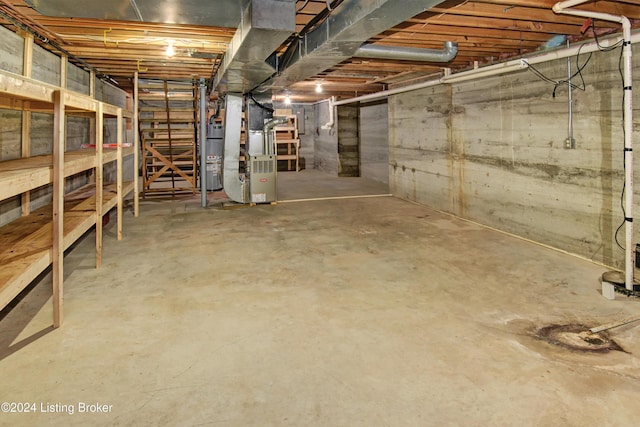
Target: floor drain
<point x="578" y="338"/>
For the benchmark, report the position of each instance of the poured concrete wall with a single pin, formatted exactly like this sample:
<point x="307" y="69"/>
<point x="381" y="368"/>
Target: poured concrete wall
<point x="374" y="142"/>
<point x="11" y="50"/>
<point x="348" y="140"/>
<point x="78" y="79"/>
<point x="492" y="150"/>
<point x="46" y="66"/>
<point x="357" y="144"/>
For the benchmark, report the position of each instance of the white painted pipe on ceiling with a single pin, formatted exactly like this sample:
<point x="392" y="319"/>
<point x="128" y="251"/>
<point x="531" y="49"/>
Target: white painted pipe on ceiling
<point x="564" y="8"/>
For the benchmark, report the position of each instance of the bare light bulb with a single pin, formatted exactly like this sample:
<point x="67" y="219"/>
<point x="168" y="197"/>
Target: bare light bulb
<point x="318" y="88"/>
<point x="170" y="49"/>
<point x="287" y="100"/>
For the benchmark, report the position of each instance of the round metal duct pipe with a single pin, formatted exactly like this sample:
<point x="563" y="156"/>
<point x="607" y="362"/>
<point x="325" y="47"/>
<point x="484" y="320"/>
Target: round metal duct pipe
<point x="408" y="53"/>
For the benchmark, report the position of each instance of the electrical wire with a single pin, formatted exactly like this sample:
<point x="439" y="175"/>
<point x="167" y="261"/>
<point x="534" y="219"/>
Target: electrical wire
<point x="560" y="83"/>
<point x="264" y="107"/>
<point x="582" y="86"/>
<point x="600" y="47"/>
<point x="303" y="6"/>
<point x="624" y="155"/>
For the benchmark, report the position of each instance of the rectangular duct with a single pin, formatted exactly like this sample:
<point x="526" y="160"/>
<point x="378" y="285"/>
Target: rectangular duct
<point x="337" y="39"/>
<point x="233" y="181"/>
<point x="219" y="13"/>
<point x="264" y="26"/>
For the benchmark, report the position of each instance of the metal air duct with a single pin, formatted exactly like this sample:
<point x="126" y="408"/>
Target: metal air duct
<point x="218" y="13"/>
<point x="340" y="36"/>
<point x="264" y="26"/>
<point x="408" y="53"/>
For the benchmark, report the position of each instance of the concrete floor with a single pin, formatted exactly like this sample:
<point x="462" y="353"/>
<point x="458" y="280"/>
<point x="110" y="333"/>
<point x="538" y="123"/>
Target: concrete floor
<point x="353" y="312"/>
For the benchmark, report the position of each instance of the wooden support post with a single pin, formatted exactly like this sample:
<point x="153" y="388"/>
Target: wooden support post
<point x="92" y="84"/>
<point x="119" y="172"/>
<point x="99" y="121"/>
<point x="63" y="71"/>
<point x="26" y="152"/>
<point x="27" y="56"/>
<point x="27" y="67"/>
<point x="92" y="122"/>
<point x="58" y="206"/>
<point x="136" y="148"/>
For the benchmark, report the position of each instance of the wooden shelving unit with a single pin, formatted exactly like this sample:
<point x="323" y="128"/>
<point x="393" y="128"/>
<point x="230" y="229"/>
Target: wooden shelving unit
<point x="168" y="121"/>
<point x="39" y="238"/>
<point x="287" y="142"/>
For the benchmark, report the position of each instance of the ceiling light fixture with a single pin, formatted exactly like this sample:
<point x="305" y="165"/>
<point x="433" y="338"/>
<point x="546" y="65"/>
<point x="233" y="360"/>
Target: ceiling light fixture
<point x="287" y="100"/>
<point x="170" y="49"/>
<point x="318" y="87"/>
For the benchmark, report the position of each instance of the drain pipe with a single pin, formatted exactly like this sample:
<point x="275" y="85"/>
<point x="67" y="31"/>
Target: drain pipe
<point x="202" y="92"/>
<point x="331" y="122"/>
<point x="564" y="7"/>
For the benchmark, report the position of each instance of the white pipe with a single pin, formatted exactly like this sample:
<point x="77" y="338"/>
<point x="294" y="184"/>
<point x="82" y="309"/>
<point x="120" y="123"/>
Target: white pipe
<point x="492" y="70"/>
<point x="488" y="71"/>
<point x="331" y="122"/>
<point x="386" y="93"/>
<point x="562" y="7"/>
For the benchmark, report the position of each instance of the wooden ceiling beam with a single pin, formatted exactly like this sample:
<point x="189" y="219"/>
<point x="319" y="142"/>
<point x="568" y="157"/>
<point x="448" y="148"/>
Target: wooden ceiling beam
<point x="436" y="42"/>
<point x="467" y="32"/>
<point x="136" y="26"/>
<point x="136" y="51"/>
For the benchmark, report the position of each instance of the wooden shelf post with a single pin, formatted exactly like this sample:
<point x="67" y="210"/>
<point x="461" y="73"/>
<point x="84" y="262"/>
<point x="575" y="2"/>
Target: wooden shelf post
<point x="99" y="123"/>
<point x="59" y="138"/>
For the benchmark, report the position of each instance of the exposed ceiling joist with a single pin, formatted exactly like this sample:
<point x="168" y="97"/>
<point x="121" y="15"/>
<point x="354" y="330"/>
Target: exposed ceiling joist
<point x="485" y="30"/>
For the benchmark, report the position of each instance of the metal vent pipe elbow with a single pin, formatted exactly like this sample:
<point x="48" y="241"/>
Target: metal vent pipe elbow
<point x="267" y="143"/>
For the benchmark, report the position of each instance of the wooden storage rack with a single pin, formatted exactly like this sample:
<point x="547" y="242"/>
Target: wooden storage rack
<point x="39" y="238"/>
<point x="168" y="120"/>
<point x="287" y="142"/>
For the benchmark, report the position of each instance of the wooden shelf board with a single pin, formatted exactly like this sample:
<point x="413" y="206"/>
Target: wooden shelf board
<point x="16" y="89"/>
<point x="20" y="175"/>
<point x="27" y="242"/>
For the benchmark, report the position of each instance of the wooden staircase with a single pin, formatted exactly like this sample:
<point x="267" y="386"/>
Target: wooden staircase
<point x="168" y="120"/>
